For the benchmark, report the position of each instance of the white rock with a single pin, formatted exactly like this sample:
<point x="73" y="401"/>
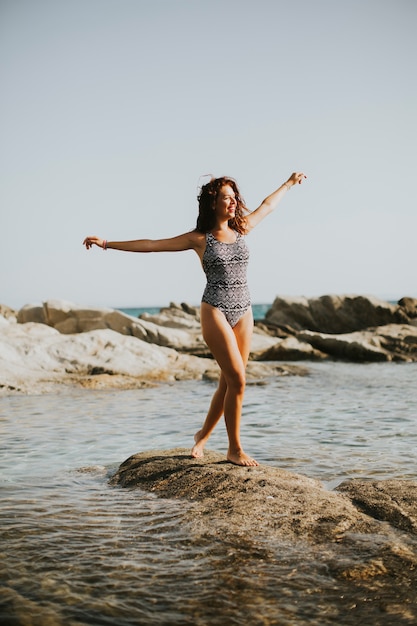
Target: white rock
<point x="31" y="354"/>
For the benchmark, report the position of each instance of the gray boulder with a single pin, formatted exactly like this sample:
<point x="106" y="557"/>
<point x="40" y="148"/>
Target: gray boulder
<point x="69" y="318"/>
<point x="334" y="314"/>
<point x="353" y="328"/>
<point x="292" y="349"/>
<point x="294" y="329"/>
<point x="394" y="342"/>
<point x="8" y="313"/>
<point x="182" y="316"/>
<point x="35" y="357"/>
<point x="409" y="306"/>
<point x="282" y="503"/>
<point x="393" y="501"/>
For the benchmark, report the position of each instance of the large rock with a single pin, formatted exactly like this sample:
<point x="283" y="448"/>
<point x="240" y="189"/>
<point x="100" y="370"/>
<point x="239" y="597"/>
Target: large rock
<point x="409" y="306"/>
<point x="177" y="326"/>
<point x="182" y="316"/>
<point x="394" y="342"/>
<point x="269" y="498"/>
<point x="288" y="334"/>
<point x="353" y="328"/>
<point x="186" y="317"/>
<point x="69" y="318"/>
<point x="291" y="349"/>
<point x="35" y="357"/>
<point x="282" y="502"/>
<point x="8" y="313"/>
<point x="325" y="533"/>
<point x="393" y="501"/>
<point x="335" y="314"/>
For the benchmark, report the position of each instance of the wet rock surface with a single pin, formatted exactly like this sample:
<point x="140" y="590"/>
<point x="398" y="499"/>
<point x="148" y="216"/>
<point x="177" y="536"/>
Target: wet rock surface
<point x="394" y="501"/>
<point x="363" y="544"/>
<point x="276" y="500"/>
<point x="288" y="503"/>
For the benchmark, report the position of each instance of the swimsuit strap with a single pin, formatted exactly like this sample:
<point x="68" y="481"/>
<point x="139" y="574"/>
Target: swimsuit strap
<point x="210" y="238"/>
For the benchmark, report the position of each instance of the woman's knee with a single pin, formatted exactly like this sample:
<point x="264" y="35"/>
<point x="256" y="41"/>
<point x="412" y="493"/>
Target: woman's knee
<point x="236" y="381"/>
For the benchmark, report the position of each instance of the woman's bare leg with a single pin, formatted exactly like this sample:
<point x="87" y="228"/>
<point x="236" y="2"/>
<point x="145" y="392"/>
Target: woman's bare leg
<point x="243" y="333"/>
<point x="230" y="347"/>
<point x="213" y="416"/>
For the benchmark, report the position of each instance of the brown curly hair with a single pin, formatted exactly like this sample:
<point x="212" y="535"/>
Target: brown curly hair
<point x="207" y="198"/>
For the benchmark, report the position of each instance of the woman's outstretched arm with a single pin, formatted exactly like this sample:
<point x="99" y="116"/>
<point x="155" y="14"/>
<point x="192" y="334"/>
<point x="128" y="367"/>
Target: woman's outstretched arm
<point x="187" y="241"/>
<point x="270" y="203"/>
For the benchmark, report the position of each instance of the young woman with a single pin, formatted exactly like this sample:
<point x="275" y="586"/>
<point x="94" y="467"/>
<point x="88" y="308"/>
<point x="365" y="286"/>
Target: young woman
<point x="226" y="315"/>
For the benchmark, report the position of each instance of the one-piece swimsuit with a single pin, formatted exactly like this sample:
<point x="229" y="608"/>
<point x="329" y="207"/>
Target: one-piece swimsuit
<point x="225" y="266"/>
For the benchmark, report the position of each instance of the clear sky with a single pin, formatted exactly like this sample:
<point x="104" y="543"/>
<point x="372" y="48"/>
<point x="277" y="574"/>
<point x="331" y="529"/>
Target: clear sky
<point x="112" y="110"/>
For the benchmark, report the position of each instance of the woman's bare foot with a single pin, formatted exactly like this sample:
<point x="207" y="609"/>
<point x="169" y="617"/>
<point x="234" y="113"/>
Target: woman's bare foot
<point x="197" y="450"/>
<point x="241" y="458"/>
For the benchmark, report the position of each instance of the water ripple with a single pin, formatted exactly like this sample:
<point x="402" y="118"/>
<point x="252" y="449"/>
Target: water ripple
<point x="74" y="550"/>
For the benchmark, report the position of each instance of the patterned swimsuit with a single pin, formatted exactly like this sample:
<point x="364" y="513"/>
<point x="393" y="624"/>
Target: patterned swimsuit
<point x="225" y="267"/>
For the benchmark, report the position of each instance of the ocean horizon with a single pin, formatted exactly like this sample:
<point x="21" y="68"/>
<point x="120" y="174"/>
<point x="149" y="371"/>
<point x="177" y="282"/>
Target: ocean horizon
<point x="259" y="309"/>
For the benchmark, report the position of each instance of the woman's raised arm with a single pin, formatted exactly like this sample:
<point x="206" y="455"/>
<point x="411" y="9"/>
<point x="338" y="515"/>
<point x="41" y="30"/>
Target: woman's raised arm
<point x="186" y="241"/>
<point x="270" y="203"/>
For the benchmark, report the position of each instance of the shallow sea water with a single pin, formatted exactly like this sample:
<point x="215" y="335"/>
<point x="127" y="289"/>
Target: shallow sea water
<point x="74" y="550"/>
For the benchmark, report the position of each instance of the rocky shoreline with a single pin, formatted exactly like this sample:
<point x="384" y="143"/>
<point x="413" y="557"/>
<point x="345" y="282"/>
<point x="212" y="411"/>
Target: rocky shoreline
<point x="58" y="343"/>
<point x="360" y="537"/>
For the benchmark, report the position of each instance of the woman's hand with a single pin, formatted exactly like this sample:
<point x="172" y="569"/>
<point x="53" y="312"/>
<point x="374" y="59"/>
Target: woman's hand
<point x="296" y="179"/>
<point x="89" y="242"/>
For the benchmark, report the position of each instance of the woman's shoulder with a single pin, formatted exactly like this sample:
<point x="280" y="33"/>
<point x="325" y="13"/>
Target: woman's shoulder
<point x="197" y="239"/>
<point x="196" y="235"/>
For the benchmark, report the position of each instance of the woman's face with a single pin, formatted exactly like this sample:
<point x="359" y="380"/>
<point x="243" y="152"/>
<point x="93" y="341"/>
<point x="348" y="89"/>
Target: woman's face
<point x="226" y="202"/>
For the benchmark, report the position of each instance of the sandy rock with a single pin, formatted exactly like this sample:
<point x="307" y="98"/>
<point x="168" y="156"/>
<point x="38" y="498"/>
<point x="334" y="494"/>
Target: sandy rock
<point x="394" y="501"/>
<point x="399" y="340"/>
<point x="258" y="372"/>
<point x="175" y="338"/>
<point x="57" y="311"/>
<point x="409" y="306"/>
<point x="394" y="342"/>
<point x="33" y="355"/>
<point x="182" y="316"/>
<point x="7" y="313"/>
<point x="290" y="503"/>
<point x="265" y="497"/>
<point x="292" y="349"/>
<point x="357" y="347"/>
<point x="69" y="318"/>
<point x="261" y="342"/>
<point x="31" y="313"/>
<point x="178" y="327"/>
